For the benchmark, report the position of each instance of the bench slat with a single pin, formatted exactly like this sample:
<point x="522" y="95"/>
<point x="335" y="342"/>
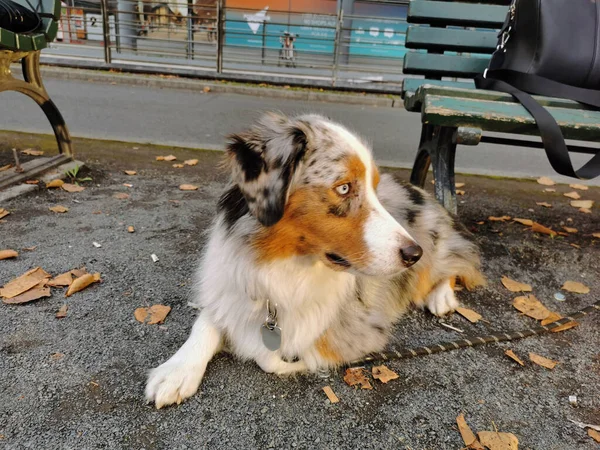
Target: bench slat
<point x="430" y="64"/>
<point x="440" y="39"/>
<point x="439" y="13"/>
<point x="507" y="117"/>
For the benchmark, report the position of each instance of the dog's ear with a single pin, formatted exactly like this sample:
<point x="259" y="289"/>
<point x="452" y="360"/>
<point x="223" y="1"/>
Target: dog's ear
<point x="263" y="161"/>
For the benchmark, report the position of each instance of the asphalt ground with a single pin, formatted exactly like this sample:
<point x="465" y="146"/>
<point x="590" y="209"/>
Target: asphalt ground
<point x="91" y="397"/>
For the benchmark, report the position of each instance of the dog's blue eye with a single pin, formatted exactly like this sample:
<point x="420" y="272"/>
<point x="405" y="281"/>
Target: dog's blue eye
<point x="343" y="189"/>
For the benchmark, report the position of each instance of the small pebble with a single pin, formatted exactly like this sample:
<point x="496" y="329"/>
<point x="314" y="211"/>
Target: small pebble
<point x="96" y="245"/>
<point x="559" y="296"/>
<point x="573" y="400"/>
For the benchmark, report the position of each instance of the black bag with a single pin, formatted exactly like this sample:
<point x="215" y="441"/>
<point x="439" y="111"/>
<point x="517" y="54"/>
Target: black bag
<point x="551" y="48"/>
<point x="18" y="18"/>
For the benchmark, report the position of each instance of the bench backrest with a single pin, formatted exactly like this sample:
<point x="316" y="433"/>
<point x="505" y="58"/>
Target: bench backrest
<point x="452" y="39"/>
<point x="40" y="38"/>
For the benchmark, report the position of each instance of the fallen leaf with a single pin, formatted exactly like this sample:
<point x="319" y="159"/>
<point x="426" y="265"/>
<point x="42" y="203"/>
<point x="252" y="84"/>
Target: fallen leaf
<point x="595" y="435"/>
<point x="59" y="209"/>
<point x="587" y="204"/>
<point x="498" y="219"/>
<point x="552" y="317"/>
<point x="178" y="166"/>
<point x="78" y="272"/>
<point x="570" y="230"/>
<point x="539" y="228"/>
<point x="469" y="314"/>
<point x="545" y="181"/>
<point x="466" y="433"/>
<point x="32" y="152"/>
<point x="575" y="245"/>
<point x="531" y="306"/>
<point x="566" y="326"/>
<point x="62" y="312"/>
<point x="30" y="249"/>
<point x="576" y="287"/>
<point x="55" y="183"/>
<point x="160" y="158"/>
<point x="544" y="204"/>
<point x="82" y="282"/>
<point x="38" y="291"/>
<point x="526" y="222"/>
<point x="585" y="210"/>
<point x="72" y="187"/>
<point x="330" y="394"/>
<point x="574" y="195"/>
<point x="121" y="196"/>
<point x="188" y="187"/>
<point x="541" y="361"/>
<point x="515" y="286"/>
<point x="32" y="182"/>
<point x="514" y="357"/>
<point x="383" y="374"/>
<point x="494" y="440"/>
<point x="550" y="190"/>
<point x="581" y="187"/>
<point x="64" y="279"/>
<point x="6" y="167"/>
<point x="57" y="356"/>
<point x="459" y="185"/>
<point x="153" y="315"/>
<point x="4" y="213"/>
<point x="170" y="158"/>
<point x="460" y="192"/>
<point x="6" y="254"/>
<point x="356" y="375"/>
<point x="481" y="222"/>
<point x="130" y="172"/>
<point x="128" y="185"/>
<point x="190" y="162"/>
<point x="596" y="235"/>
<point x="130" y="229"/>
<point x="206" y="89"/>
<point x="23" y="283"/>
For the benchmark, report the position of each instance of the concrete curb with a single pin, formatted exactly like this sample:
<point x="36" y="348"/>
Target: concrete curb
<point x="173" y="82"/>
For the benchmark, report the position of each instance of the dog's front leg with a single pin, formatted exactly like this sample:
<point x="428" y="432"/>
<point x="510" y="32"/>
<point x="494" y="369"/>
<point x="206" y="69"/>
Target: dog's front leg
<point x="180" y="377"/>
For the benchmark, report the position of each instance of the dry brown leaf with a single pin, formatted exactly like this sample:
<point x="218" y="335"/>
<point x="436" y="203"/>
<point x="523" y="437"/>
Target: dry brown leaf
<point x="514" y="357"/>
<point x="169" y="158"/>
<point x="585" y="210"/>
<point x="206" y="89"/>
<point x="459" y="185"/>
<point x="467" y="434"/>
<point x="576" y="287"/>
<point x="356" y="375"/>
<point x="153" y="315"/>
<point x="498" y="219"/>
<point x="72" y="187"/>
<point x="4" y="213"/>
<point x="30" y="249"/>
<point x="531" y="306"/>
<point x="188" y="187"/>
<point x="64" y="279"/>
<point x="383" y="374"/>
<point x="515" y="286"/>
<point x="481" y="222"/>
<point x="330" y="394"/>
<point x="6" y="254"/>
<point x="62" y="312"/>
<point x="57" y="356"/>
<point x="460" y="192"/>
<point x="566" y="326"/>
<point x="128" y="185"/>
<point x="544" y="204"/>
<point x="541" y="361"/>
<point x="121" y="196"/>
<point x="6" y="167"/>
<point x="469" y="314"/>
<point x="526" y="222"/>
<point x="574" y="195"/>
<point x="130" y="229"/>
<point x="570" y="230"/>
<point x="38" y="291"/>
<point x="82" y="282"/>
<point x="130" y="172"/>
<point x="550" y="190"/>
<point x="160" y="158"/>
<point x="575" y="245"/>
<point x="581" y="187"/>
<point x="59" y="209"/>
<point x="595" y="435"/>
<point x="190" y="162"/>
<point x="587" y="204"/>
<point x="552" y="317"/>
<point x="596" y="235"/>
<point x="32" y="182"/>
<point x="78" y="272"/>
<point x="32" y="152"/>
<point x="178" y="166"/>
<point x="539" y="228"/>
<point x="25" y="282"/>
<point x="55" y="183"/>
<point x="494" y="440"/>
<point x="545" y="181"/>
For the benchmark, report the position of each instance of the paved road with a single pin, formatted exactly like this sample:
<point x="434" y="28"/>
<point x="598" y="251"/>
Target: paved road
<point x="195" y="119"/>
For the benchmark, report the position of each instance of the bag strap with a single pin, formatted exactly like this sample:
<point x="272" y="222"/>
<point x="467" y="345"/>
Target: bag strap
<point x="556" y="149"/>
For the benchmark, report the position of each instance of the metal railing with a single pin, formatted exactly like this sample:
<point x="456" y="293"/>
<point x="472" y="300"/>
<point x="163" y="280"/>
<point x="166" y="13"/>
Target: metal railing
<point x="207" y="37"/>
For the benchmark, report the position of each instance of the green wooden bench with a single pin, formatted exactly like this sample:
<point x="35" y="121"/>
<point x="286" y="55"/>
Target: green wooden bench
<point x="26" y="47"/>
<point x="450" y="43"/>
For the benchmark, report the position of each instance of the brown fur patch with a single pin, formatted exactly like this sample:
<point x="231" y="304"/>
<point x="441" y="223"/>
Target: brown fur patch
<point x="326" y="351"/>
<point x="423" y="285"/>
<point x="376" y="178"/>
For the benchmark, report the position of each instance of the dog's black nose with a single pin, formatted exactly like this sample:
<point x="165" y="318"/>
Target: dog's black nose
<point x="411" y="254"/>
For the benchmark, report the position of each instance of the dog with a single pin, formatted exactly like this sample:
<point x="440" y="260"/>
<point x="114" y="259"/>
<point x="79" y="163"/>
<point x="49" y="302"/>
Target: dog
<point x="313" y="256"/>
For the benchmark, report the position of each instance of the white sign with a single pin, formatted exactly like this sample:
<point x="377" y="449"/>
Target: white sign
<point x="93" y="23"/>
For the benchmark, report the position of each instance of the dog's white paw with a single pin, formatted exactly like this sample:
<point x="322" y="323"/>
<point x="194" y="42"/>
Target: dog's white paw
<point x="173" y="382"/>
<point x="442" y="300"/>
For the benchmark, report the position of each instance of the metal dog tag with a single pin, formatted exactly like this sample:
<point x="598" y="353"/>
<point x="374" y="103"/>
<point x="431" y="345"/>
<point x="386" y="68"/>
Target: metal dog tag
<point x="271" y="336"/>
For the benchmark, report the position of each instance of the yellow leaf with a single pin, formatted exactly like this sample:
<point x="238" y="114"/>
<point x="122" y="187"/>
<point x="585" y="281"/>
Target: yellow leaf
<point x="153" y="315"/>
<point x="526" y="222"/>
<point x="544" y="204"/>
<point x="582" y="203"/>
<point x="498" y="219"/>
<point x="596" y="235"/>
<point x="459" y="185"/>
<point x="515" y="286"/>
<point x="38" y="291"/>
<point x="206" y="89"/>
<point x="595" y="435"/>
<point x="469" y="314"/>
<point x="188" y="187"/>
<point x="4" y="213"/>
<point x="539" y="228"/>
<point x="460" y="192"/>
<point x="541" y="361"/>
<point x="6" y="167"/>
<point x="570" y="230"/>
<point x="160" y="158"/>
<point x="59" y="209"/>
<point x="585" y="210"/>
<point x="25" y="282"/>
<point x="383" y="374"/>
<point x="581" y="187"/>
<point x="190" y="162"/>
<point x="130" y="229"/>
<point x="514" y="357"/>
<point x="82" y="282"/>
<point x="32" y="152"/>
<point x="330" y="394"/>
<point x="6" y="254"/>
<point x="576" y="287"/>
<point x="170" y="158"/>
<point x="546" y="181"/>
<point x="130" y="172"/>
<point x="72" y="187"/>
<point x="531" y="306"/>
<point x="574" y="195"/>
<point x="55" y="183"/>
<point x="553" y="317"/>
<point x="494" y="440"/>
<point x="178" y="166"/>
<point x="467" y="435"/>
<point x="64" y="279"/>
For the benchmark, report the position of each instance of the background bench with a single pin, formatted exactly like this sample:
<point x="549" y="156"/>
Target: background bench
<point x="455" y="40"/>
<point x="25" y="47"/>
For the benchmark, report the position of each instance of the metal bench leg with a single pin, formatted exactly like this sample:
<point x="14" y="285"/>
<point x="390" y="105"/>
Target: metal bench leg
<point x="437" y="147"/>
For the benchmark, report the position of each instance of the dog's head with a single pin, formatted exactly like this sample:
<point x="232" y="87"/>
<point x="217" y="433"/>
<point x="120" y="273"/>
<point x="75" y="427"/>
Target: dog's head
<point x="312" y="186"/>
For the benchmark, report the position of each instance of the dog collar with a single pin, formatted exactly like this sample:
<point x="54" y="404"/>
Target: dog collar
<point x="270" y="331"/>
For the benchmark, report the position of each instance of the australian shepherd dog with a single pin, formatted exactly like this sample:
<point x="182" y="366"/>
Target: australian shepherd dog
<point x="313" y="256"/>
